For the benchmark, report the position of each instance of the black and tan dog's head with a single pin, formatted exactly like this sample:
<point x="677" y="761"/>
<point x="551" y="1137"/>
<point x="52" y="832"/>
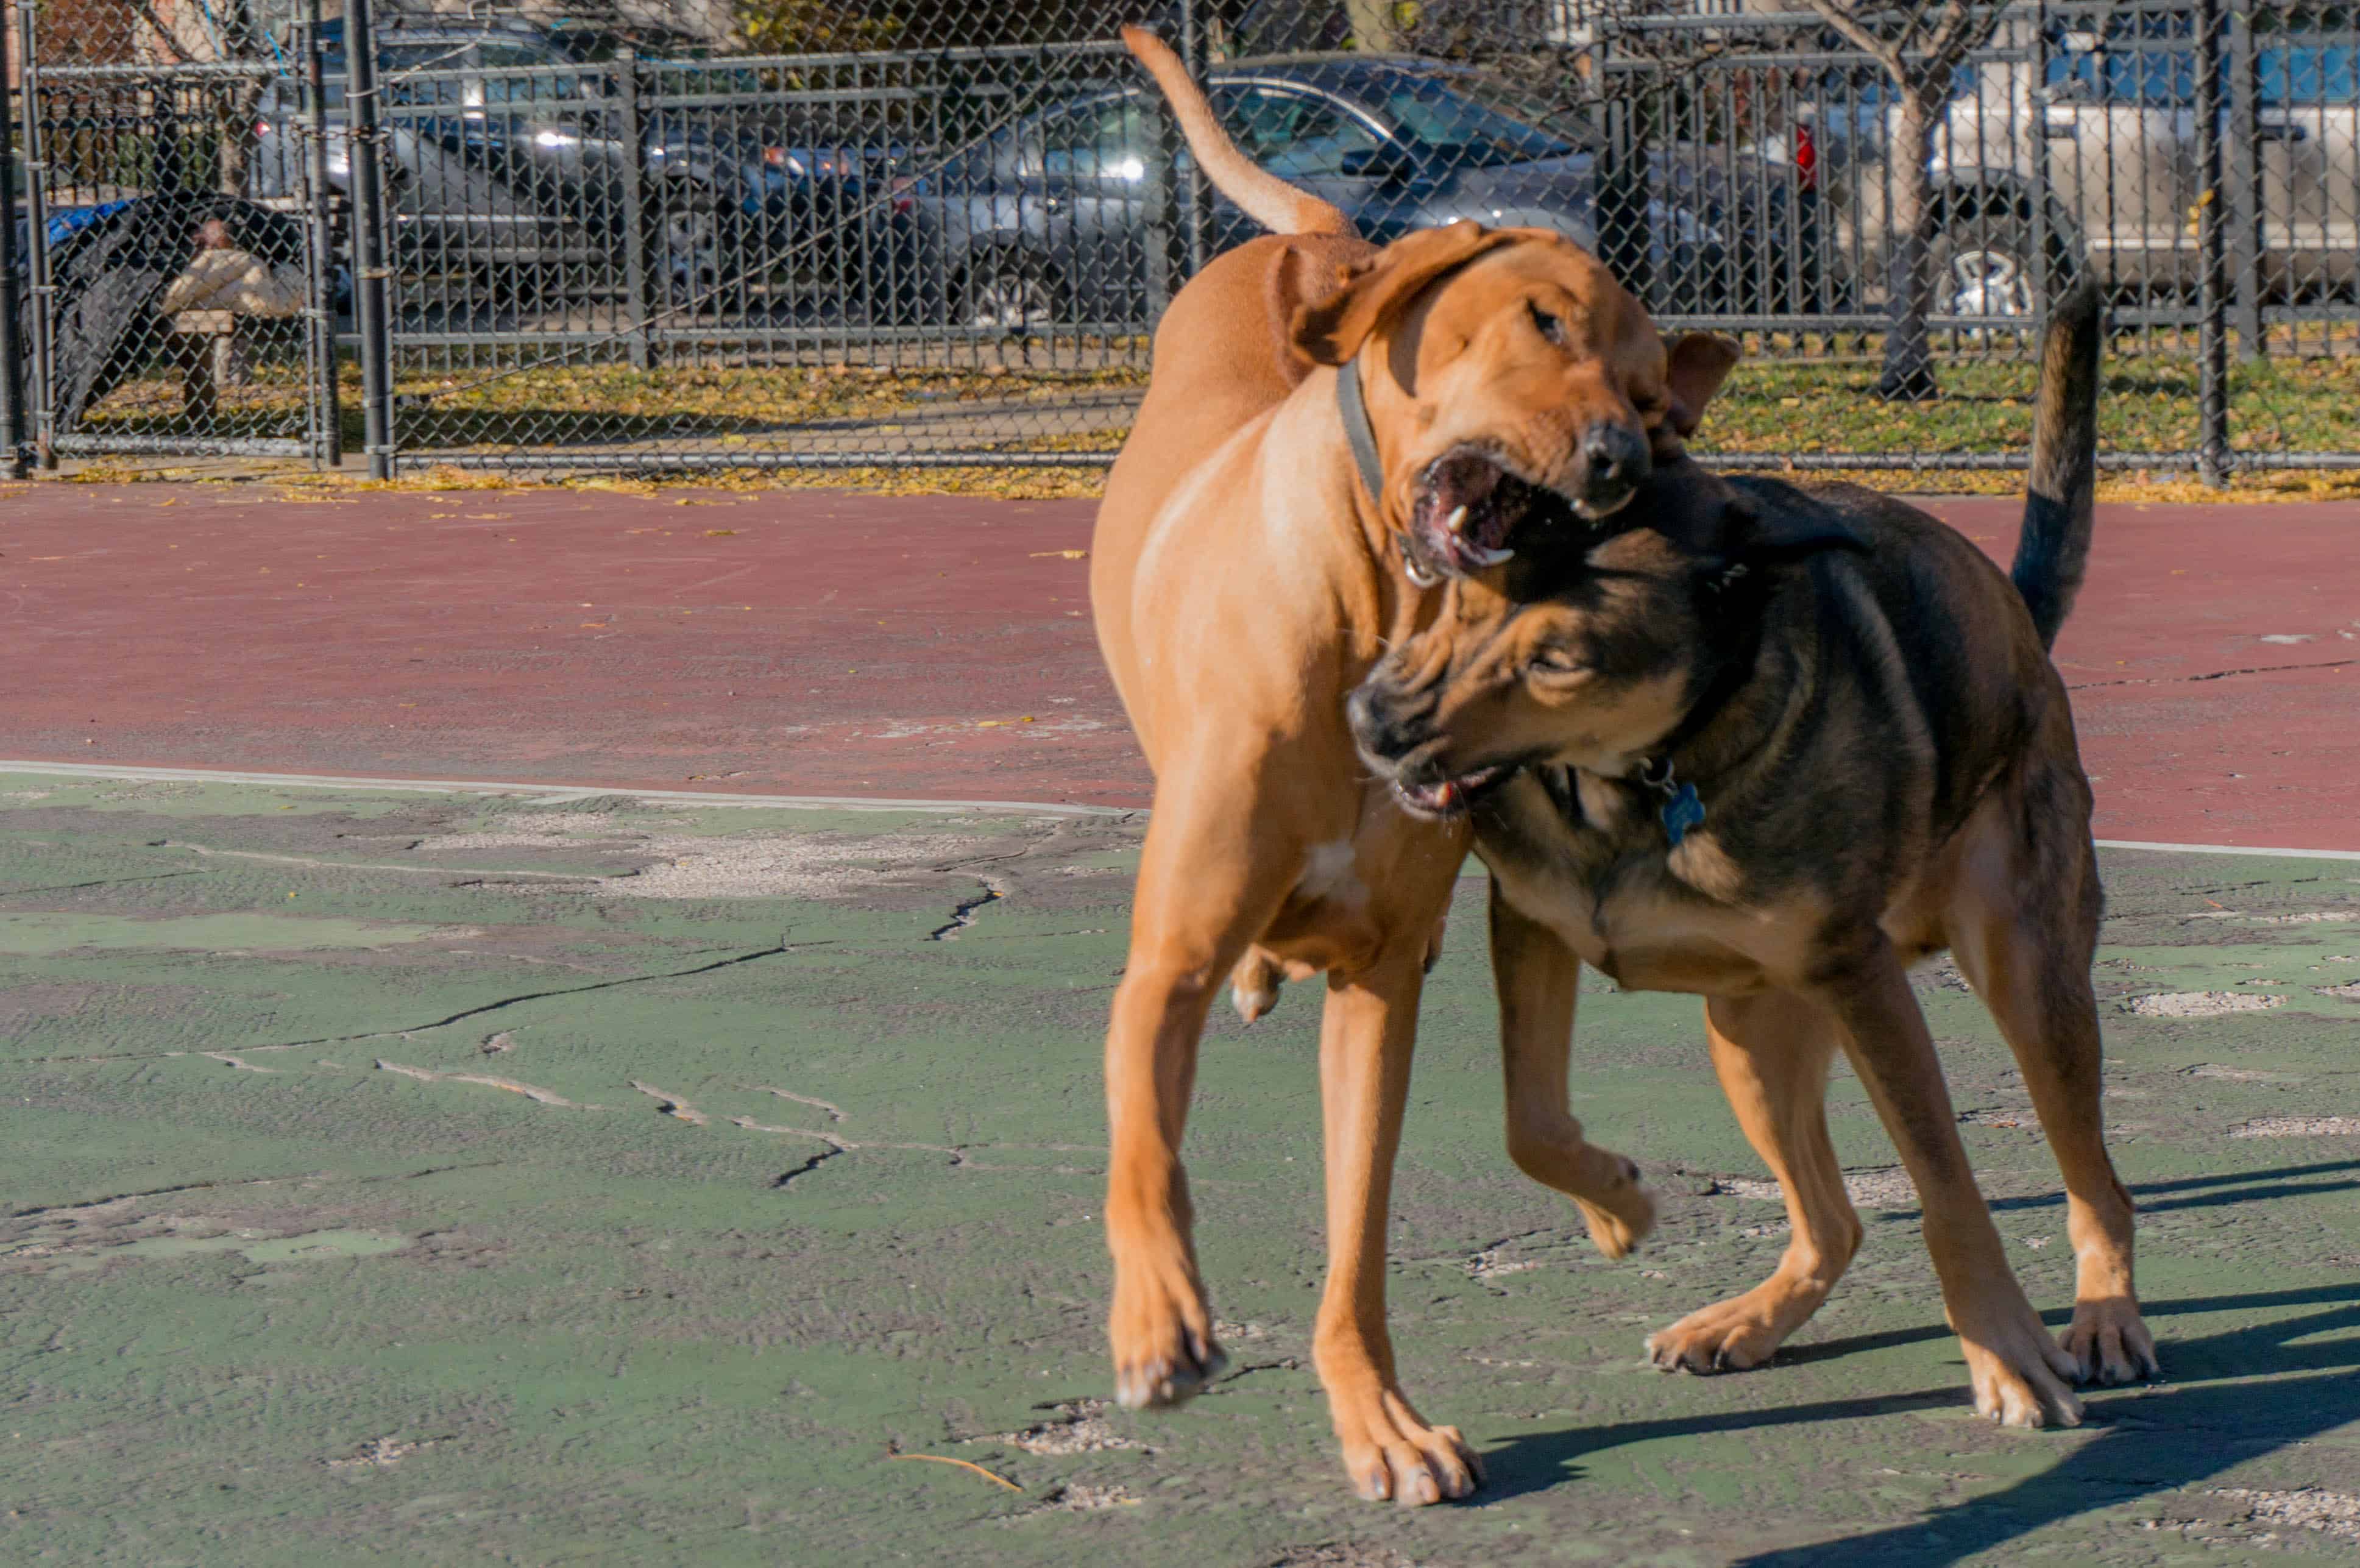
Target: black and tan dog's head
<point x="1586" y="651"/>
<point x="1508" y="376"/>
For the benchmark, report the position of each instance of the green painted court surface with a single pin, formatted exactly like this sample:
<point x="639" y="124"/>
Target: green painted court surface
<point x="404" y="1177"/>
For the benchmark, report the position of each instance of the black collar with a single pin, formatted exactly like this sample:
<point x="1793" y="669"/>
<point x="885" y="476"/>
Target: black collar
<point x="1358" y="432"/>
<point x="1682" y="809"/>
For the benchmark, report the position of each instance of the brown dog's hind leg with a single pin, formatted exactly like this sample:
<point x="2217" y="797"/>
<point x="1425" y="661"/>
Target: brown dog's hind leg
<point x="1209" y="882"/>
<point x="2031" y="967"/>
<point x="1771" y="1053"/>
<point x="2017" y="1372"/>
<point x="1366" y="1036"/>
<point x="1538" y="977"/>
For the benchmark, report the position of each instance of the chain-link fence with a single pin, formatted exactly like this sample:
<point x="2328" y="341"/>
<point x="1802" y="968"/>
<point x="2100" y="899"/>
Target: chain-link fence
<point x="913" y="232"/>
<point x="165" y="309"/>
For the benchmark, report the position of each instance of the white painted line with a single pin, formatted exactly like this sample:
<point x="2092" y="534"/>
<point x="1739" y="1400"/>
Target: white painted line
<point x="558" y="795"/>
<point x="545" y="793"/>
<point x="2230" y="850"/>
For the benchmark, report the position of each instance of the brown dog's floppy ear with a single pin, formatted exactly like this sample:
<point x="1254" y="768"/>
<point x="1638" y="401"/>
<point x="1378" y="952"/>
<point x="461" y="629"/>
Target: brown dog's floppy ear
<point x="1330" y="330"/>
<point x="1698" y="364"/>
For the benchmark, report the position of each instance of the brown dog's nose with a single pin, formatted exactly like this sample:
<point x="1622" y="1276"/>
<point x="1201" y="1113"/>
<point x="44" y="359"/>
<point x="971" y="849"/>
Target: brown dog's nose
<point x="1613" y="460"/>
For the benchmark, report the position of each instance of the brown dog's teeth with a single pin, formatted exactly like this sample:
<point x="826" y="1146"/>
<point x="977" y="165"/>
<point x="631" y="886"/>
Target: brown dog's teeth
<point x="1456" y="522"/>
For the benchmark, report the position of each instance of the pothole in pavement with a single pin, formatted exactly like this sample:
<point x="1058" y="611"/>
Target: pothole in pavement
<point x="2200" y="1004"/>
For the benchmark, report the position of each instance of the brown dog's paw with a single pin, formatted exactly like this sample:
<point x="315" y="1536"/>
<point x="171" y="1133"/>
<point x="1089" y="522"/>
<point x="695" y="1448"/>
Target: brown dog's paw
<point x="2018" y="1373"/>
<point x="1254" y="985"/>
<point x="1735" y="1336"/>
<point x="1162" y="1334"/>
<point x="2109" y="1343"/>
<point x="1392" y="1454"/>
<point x="1619" y="1217"/>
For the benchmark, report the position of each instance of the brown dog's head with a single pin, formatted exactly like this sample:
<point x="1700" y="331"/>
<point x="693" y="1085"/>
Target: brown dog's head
<point x="1507" y="374"/>
<point x="1585" y="652"/>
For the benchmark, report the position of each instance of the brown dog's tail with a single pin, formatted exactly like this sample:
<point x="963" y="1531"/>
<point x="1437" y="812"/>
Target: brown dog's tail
<point x="2054" y="547"/>
<point x="1261" y="196"/>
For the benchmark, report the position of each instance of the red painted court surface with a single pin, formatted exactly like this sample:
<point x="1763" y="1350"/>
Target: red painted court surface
<point x="823" y="643"/>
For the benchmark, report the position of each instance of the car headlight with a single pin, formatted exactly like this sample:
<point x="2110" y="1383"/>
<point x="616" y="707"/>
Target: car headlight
<point x="1683" y="225"/>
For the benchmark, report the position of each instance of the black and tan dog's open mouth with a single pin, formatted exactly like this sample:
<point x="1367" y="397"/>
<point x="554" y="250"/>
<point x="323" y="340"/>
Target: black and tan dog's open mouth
<point x="1448" y="798"/>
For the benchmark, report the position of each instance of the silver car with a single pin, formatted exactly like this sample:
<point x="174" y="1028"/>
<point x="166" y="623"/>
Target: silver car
<point x="2088" y="137"/>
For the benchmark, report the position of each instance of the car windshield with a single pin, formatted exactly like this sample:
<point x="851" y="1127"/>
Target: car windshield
<point x="1449" y="124"/>
<point x="2285" y="74"/>
<point x="2304" y="73"/>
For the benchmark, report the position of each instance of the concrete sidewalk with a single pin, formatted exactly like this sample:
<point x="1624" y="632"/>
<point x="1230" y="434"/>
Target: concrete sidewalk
<point x="439" y="1177"/>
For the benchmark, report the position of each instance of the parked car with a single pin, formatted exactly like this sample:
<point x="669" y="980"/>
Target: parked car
<point x="2100" y="153"/>
<point x="507" y="167"/>
<point x="1057" y="217"/>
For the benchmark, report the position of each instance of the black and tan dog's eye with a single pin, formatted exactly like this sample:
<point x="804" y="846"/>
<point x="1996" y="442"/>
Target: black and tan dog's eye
<point x="1552" y="660"/>
<point x="1550" y="327"/>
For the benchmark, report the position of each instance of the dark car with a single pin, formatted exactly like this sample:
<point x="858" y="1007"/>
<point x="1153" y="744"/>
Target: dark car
<point x="1060" y="216"/>
<point x="509" y="172"/>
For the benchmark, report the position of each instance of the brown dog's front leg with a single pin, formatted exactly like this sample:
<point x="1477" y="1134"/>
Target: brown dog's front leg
<point x="2017" y="1371"/>
<point x="1366" y="1038"/>
<point x="1538" y="977"/>
<point x="1209" y="882"/>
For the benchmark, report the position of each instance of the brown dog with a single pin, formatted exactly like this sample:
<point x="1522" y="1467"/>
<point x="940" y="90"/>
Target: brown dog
<point x="1771" y="746"/>
<point x="1244" y="577"/>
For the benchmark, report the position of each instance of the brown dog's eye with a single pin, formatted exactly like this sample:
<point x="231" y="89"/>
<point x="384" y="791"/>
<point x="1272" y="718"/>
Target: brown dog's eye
<point x="1550" y="327"/>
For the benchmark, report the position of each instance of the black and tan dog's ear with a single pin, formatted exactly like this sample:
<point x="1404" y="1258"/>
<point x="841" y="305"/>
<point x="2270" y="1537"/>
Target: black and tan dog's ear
<point x="1330" y="330"/>
<point x="1696" y="365"/>
<point x="1771" y="538"/>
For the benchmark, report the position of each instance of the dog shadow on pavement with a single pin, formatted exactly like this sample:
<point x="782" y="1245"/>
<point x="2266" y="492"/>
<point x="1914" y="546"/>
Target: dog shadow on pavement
<point x="2208" y="1415"/>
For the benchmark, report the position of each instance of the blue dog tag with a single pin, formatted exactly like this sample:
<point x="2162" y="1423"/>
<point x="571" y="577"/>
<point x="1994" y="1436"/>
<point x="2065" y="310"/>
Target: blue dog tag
<point x="1682" y="812"/>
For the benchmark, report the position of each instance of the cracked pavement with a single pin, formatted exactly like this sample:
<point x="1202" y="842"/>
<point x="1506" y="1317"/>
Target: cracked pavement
<point x="442" y="1177"/>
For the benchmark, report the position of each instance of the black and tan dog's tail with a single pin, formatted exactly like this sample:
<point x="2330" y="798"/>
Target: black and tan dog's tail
<point x="2054" y="548"/>
<point x="1259" y="194"/>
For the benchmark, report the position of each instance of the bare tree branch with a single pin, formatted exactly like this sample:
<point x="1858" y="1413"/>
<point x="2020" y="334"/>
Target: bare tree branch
<point x="1838" y="14"/>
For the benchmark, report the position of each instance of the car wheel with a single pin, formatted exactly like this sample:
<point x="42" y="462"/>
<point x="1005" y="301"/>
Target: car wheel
<point x="1009" y="292"/>
<point x="1988" y="270"/>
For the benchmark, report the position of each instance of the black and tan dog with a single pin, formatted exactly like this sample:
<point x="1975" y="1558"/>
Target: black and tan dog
<point x="1771" y="745"/>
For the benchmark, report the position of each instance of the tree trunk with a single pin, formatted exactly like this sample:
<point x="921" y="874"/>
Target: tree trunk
<point x="1908" y="374"/>
<point x="1374" y="25"/>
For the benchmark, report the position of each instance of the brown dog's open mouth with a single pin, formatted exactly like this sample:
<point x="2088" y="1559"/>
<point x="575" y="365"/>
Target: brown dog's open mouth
<point x="1448" y="798"/>
<point x="1468" y="503"/>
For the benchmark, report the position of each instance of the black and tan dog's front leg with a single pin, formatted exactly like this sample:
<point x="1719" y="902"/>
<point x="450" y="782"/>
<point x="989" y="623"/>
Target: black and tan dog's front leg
<point x="1538" y="978"/>
<point x="1366" y="1036"/>
<point x="1772" y="1051"/>
<point x="2018" y="1373"/>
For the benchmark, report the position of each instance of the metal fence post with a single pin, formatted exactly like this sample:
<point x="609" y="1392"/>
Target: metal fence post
<point x="1196" y="211"/>
<point x="1621" y="178"/>
<point x="329" y="447"/>
<point x="2211" y="234"/>
<point x="635" y="209"/>
<point x="12" y="379"/>
<point x="41" y="398"/>
<point x="2244" y="189"/>
<point x="365" y="141"/>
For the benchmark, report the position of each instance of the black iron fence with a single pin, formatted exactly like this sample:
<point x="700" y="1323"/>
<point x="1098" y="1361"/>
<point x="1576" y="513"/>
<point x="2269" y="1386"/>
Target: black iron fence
<point x="936" y="235"/>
